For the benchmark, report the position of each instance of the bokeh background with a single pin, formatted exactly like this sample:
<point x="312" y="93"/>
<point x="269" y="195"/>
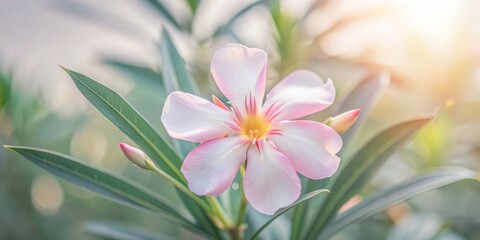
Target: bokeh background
<point x="427" y="50"/>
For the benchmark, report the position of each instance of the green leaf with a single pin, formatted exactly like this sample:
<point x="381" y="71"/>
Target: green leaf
<point x="124" y="116"/>
<point x="399" y="193"/>
<point x="5" y="87"/>
<point x="108" y="185"/>
<point x="163" y="11"/>
<point x="193" y="5"/>
<point x="137" y="72"/>
<point x="361" y="168"/>
<point x="176" y="78"/>
<point x="278" y="229"/>
<point x="134" y="125"/>
<point x="121" y="231"/>
<point x="284" y="210"/>
<point x="364" y="96"/>
<point x="303" y="213"/>
<point x="175" y="74"/>
<point x="227" y="27"/>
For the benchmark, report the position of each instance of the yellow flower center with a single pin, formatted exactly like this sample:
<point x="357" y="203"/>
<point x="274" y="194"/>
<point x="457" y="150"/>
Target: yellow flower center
<point x="254" y="126"/>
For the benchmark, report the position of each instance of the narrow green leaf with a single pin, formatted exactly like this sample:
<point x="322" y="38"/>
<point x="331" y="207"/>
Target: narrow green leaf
<point x="364" y="96"/>
<point x="134" y="125"/>
<point x="371" y="157"/>
<point x="5" y="87"/>
<point x="397" y="194"/>
<point x="108" y="185"/>
<point x="175" y="74"/>
<point x="284" y="210"/>
<point x="227" y="27"/>
<point x="176" y="78"/>
<point x="302" y="213"/>
<point x="278" y="229"/>
<point x="121" y="231"/>
<point x="136" y="72"/>
<point x="361" y="168"/>
<point x="193" y="5"/>
<point x="163" y="11"/>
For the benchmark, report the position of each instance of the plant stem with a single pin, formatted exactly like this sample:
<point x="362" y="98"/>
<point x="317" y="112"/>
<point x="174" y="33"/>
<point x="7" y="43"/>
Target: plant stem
<point x="219" y="212"/>
<point x="181" y="187"/>
<point x="242" y="209"/>
<point x="235" y="233"/>
<point x="215" y="208"/>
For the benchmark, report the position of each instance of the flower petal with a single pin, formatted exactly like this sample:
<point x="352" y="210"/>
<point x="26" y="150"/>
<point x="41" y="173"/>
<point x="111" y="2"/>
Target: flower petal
<point x="211" y="167"/>
<point x="240" y="71"/>
<point x="311" y="146"/>
<point x="270" y="181"/>
<point x="299" y="94"/>
<point x="188" y="117"/>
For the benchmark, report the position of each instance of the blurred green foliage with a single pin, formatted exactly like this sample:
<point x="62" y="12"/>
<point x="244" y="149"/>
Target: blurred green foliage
<point x="449" y="213"/>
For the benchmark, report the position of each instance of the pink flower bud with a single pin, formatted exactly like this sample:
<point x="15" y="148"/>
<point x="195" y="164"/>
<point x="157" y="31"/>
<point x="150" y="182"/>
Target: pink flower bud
<point x="135" y="155"/>
<point x="341" y="123"/>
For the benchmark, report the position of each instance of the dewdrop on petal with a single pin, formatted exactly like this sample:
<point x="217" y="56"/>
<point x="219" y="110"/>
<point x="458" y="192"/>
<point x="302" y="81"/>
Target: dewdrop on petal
<point x="342" y="122"/>
<point x="135" y="155"/>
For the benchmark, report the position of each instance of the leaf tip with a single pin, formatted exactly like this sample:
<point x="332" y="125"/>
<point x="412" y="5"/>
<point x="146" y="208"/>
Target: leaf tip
<point x="64" y="68"/>
<point x="9" y="147"/>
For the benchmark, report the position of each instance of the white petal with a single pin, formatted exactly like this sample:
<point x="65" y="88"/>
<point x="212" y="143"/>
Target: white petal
<point x="299" y="94"/>
<point x="311" y="146"/>
<point x="270" y="180"/>
<point x="240" y="71"/>
<point x="188" y="117"/>
<point x="211" y="167"/>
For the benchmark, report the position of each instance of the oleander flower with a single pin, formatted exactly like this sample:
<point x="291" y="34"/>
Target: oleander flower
<point x="268" y="139"/>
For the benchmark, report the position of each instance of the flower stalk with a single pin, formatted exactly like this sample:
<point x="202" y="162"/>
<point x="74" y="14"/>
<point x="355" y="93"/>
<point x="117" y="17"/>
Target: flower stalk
<point x="242" y="210"/>
<point x="151" y="166"/>
<point x="140" y="159"/>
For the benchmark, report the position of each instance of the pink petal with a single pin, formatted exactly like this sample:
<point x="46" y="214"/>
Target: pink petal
<point x="188" y="117"/>
<point x="211" y="167"/>
<point x="311" y="146"/>
<point x="240" y="71"/>
<point x="270" y="181"/>
<point x="299" y="94"/>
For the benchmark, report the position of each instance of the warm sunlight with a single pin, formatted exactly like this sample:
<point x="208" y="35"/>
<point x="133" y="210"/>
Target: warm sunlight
<point x="386" y="29"/>
<point x="435" y="21"/>
<point x="235" y="120"/>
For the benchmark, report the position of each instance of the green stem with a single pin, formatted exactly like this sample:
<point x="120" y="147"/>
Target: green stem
<point x="219" y="212"/>
<point x="215" y="208"/>
<point x="242" y="209"/>
<point x="181" y="187"/>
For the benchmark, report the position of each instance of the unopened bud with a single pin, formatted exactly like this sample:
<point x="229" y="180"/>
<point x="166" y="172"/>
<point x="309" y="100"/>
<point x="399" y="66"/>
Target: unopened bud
<point x="135" y="155"/>
<point x="219" y="103"/>
<point x="341" y="123"/>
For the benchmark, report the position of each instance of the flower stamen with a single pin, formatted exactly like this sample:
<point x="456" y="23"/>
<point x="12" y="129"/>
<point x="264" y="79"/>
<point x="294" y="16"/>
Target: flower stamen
<point x="254" y="127"/>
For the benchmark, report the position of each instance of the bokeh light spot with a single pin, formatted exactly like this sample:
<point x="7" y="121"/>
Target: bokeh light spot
<point x="47" y="195"/>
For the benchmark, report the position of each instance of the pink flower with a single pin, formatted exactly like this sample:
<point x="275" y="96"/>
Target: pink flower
<point x="272" y="144"/>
